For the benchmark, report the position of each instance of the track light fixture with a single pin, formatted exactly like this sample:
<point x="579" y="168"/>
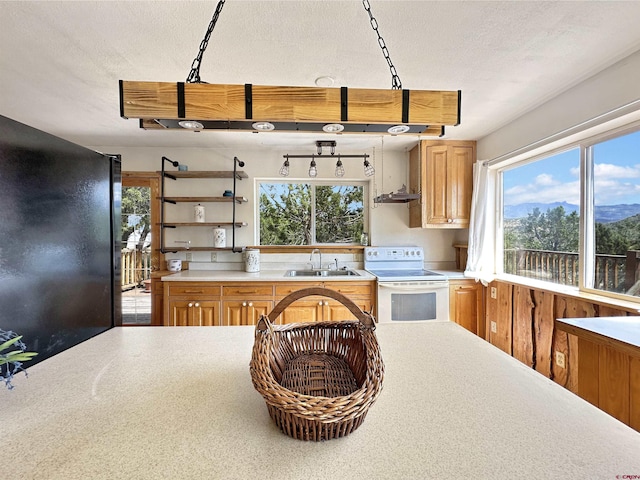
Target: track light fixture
<point x="313" y="169"/>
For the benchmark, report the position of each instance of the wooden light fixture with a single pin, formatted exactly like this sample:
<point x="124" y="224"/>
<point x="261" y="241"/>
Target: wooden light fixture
<point x="163" y="105"/>
<point x="195" y="105"/>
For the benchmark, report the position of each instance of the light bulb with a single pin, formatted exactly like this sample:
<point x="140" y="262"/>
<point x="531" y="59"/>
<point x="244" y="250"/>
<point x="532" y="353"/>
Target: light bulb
<point x="339" y="169"/>
<point x="263" y="126"/>
<point x="313" y="171"/>
<point x="368" y="168"/>
<point x="191" y="124"/>
<point x="398" y="129"/>
<point x="333" y="128"/>
<point x="284" y="169"/>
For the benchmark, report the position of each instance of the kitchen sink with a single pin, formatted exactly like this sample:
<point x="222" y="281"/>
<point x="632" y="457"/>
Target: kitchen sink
<point x="321" y="273"/>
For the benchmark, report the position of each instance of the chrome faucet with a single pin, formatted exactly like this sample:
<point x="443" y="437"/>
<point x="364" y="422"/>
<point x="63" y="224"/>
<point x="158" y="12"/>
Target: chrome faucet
<point x="316" y="250"/>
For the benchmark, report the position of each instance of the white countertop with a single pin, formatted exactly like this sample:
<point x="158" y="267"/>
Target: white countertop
<point x="621" y="329"/>
<point x="262" y="276"/>
<point x="178" y="403"/>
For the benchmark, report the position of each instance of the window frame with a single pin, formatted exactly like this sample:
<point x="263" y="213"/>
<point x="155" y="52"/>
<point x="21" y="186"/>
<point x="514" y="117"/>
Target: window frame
<point x="313" y="182"/>
<point x="586" y="247"/>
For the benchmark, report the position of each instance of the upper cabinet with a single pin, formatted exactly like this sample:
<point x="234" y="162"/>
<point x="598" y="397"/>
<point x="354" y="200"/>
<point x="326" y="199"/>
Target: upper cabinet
<point x="442" y="172"/>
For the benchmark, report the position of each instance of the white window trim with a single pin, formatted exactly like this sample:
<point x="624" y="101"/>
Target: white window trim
<point x="582" y="140"/>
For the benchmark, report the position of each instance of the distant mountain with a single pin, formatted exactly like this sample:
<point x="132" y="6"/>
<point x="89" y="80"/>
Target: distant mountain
<point x="604" y="213"/>
<point x="523" y="209"/>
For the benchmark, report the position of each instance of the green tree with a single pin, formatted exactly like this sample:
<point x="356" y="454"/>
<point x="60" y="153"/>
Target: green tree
<point x="553" y="231"/>
<point x="135" y="206"/>
<point x="286" y="214"/>
<point x="339" y="213"/>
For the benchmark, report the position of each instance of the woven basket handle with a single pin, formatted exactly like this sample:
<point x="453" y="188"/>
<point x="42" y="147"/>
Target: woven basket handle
<point x="365" y="318"/>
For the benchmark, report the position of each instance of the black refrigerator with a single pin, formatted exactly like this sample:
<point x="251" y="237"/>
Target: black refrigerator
<point x="59" y="225"/>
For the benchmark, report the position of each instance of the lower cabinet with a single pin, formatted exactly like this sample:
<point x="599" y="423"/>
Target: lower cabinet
<point x="317" y="308"/>
<point x="244" y="312"/>
<point x="194" y="313"/>
<point x="466" y="305"/>
<point x="242" y="303"/>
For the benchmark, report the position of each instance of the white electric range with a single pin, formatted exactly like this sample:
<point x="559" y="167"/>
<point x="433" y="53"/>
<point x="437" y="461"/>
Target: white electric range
<point x="406" y="291"/>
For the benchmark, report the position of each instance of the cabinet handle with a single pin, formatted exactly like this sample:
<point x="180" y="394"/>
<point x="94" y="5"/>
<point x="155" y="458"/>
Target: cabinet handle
<point x="249" y="292"/>
<point x="449" y="220"/>
<point x="251" y="304"/>
<point x="194" y="291"/>
<point x="197" y="304"/>
<point x="244" y="304"/>
<point x="320" y="303"/>
<point x="190" y="304"/>
<point x="326" y="303"/>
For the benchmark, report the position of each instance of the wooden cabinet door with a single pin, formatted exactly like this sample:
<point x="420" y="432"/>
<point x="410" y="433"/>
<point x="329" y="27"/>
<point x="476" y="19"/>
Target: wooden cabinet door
<point x="460" y="160"/>
<point x="234" y="312"/>
<point x="302" y="311"/>
<point x="256" y="308"/>
<point x="207" y="313"/>
<point x="244" y="312"/>
<point x="180" y="313"/>
<point x="466" y="305"/>
<point x="334" y="310"/>
<point x="436" y="184"/>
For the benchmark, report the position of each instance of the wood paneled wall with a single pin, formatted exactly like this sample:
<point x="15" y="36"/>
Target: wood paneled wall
<point x="524" y="328"/>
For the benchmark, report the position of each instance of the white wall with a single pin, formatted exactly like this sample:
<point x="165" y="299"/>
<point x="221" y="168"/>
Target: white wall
<point x="389" y="223"/>
<point x="611" y="89"/>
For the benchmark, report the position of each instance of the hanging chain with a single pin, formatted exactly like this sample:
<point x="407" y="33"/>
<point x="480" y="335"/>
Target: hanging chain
<point x="194" y="74"/>
<point x="396" y="84"/>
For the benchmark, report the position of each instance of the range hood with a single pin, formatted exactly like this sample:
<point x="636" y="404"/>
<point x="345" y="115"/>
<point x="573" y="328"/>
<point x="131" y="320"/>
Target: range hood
<point x="163" y="105"/>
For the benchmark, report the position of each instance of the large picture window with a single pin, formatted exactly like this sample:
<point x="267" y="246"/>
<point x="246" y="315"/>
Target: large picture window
<point x="311" y="213"/>
<point x="576" y="222"/>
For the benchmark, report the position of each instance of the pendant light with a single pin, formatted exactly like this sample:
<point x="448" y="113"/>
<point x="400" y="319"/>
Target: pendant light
<point x="313" y="171"/>
<point x="284" y="169"/>
<point x="339" y="168"/>
<point x="369" y="171"/>
<point x="166" y="106"/>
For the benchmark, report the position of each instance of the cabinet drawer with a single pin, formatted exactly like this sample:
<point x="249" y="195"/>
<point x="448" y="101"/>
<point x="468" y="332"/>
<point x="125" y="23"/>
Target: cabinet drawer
<point x="244" y="290"/>
<point x="284" y="290"/>
<point x="207" y="290"/>
<point x="347" y="288"/>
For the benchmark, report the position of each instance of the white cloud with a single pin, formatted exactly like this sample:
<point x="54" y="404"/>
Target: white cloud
<point x="608" y="170"/>
<point x="545" y="179"/>
<point x="536" y="193"/>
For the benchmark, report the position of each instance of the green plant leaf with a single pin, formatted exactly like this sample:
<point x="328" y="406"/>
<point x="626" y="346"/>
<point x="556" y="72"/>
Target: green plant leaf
<point x="10" y="342"/>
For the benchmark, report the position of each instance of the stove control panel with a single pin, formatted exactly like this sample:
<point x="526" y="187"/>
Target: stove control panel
<point x="393" y="254"/>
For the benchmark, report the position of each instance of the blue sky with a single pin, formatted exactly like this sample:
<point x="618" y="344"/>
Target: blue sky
<point x="556" y="179"/>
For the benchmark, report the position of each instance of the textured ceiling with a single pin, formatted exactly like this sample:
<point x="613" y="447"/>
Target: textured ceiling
<point x="60" y="62"/>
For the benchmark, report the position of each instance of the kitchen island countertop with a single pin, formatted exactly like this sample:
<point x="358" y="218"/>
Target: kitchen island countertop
<point x="178" y="403"/>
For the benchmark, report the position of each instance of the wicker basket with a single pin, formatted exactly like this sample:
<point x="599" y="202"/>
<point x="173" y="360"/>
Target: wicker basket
<point x="318" y="379"/>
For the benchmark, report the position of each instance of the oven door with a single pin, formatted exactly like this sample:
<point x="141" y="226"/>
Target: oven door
<point x="413" y="301"/>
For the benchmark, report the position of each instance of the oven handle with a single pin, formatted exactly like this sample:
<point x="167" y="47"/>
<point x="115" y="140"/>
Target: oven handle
<point x="415" y="286"/>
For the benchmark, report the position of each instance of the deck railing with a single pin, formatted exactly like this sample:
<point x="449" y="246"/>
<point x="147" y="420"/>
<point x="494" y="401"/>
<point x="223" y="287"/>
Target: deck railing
<point x="613" y="273"/>
<point x="135" y="266"/>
